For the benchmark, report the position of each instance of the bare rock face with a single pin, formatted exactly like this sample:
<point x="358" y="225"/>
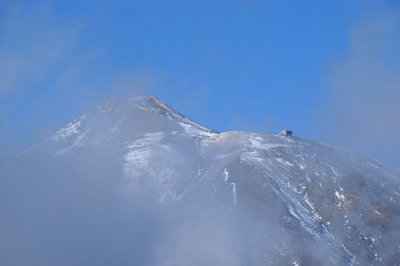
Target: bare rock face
<point x="138" y="183"/>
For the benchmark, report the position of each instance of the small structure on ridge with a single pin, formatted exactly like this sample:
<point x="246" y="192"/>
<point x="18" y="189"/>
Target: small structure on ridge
<point x="286" y="132"/>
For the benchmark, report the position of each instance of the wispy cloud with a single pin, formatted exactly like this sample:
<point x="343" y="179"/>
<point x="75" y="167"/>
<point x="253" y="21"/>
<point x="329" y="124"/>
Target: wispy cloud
<point x="366" y="89"/>
<point x="36" y="48"/>
<point x="33" y="42"/>
<point x="48" y="69"/>
<point x="132" y="83"/>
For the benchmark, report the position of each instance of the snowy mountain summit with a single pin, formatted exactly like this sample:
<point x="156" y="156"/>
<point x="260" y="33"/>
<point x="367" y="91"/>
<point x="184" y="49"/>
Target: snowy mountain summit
<point x="134" y="182"/>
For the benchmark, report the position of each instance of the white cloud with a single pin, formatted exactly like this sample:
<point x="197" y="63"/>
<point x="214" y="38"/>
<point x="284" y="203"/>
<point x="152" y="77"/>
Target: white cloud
<point x="33" y="42"/>
<point x="366" y="89"/>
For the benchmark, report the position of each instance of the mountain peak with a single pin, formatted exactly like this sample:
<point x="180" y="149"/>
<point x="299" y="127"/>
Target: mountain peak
<point x="150" y="101"/>
<point x="143" y="102"/>
<point x="120" y="117"/>
<point x="154" y="105"/>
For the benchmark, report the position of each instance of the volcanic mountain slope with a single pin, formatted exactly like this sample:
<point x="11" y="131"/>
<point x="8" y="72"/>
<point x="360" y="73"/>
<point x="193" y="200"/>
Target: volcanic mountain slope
<point x="137" y="183"/>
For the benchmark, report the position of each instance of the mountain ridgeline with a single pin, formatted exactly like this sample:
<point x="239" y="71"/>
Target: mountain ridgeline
<point x="134" y="182"/>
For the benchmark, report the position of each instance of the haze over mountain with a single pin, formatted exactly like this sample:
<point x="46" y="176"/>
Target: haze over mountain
<point x="134" y="182"/>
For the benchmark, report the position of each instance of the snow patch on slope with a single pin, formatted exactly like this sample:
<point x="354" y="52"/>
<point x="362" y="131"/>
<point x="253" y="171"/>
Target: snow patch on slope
<point x="70" y="129"/>
<point x="225" y="175"/>
<point x="141" y="152"/>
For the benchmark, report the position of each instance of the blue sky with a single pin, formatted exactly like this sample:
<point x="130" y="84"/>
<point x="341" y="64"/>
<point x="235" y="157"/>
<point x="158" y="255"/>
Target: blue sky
<point x="230" y="65"/>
